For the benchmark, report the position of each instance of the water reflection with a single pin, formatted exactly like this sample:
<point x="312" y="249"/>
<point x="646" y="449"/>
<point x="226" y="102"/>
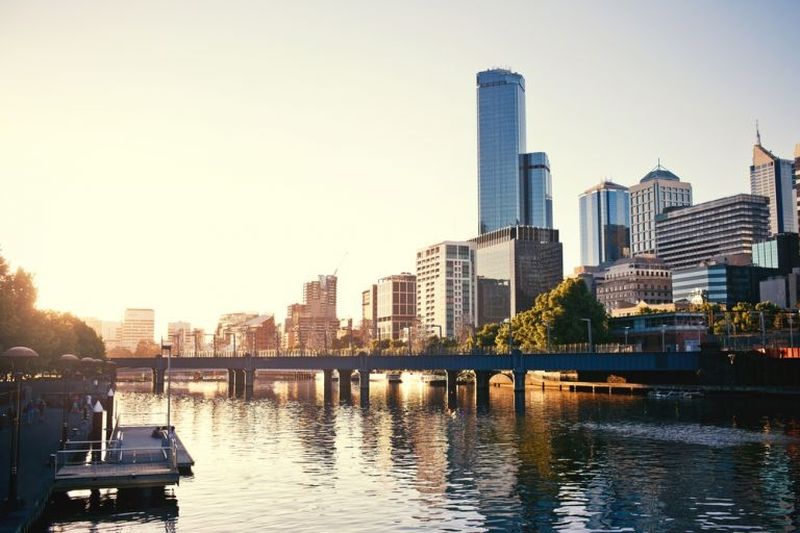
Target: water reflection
<point x="293" y="459"/>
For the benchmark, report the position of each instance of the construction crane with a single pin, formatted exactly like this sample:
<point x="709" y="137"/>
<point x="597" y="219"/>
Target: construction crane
<point x="340" y="263"/>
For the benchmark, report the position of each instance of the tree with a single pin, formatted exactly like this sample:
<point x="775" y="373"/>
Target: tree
<point x="147" y="348"/>
<point x="487" y="335"/>
<point x="561" y="309"/>
<point x="120" y="351"/>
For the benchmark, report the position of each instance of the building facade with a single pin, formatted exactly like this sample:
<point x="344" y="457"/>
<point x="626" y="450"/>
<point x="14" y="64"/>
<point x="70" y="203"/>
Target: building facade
<point x="537" y="187"/>
<point x="515" y="265"/>
<point x="771" y="176"/>
<point x="397" y="306"/>
<point x="719" y="283"/>
<point x="604" y="212"/>
<point x="728" y="226"/>
<point x="313" y="325"/>
<point x="629" y="281"/>
<point x="658" y="190"/>
<point x="501" y="140"/>
<point x="369" y="312"/>
<point x="446" y="287"/>
<point x="781" y="252"/>
<point x="137" y="325"/>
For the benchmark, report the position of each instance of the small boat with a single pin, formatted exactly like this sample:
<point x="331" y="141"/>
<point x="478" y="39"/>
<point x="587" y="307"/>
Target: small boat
<point x="434" y="378"/>
<point x="674" y="394"/>
<point x="394" y="377"/>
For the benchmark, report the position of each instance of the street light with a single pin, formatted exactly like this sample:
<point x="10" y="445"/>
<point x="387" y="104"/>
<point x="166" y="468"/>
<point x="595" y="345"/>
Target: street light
<point x="16" y="356"/>
<point x="168" y="347"/>
<point x="589" y="331"/>
<point x="67" y="360"/>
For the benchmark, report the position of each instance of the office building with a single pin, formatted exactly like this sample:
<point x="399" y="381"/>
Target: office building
<point x="397" y="306"/>
<point x="515" y="265"/>
<point x="446" y="286"/>
<point x="630" y="281"/>
<point x="771" y="176"/>
<point x="781" y="252"/>
<point x="369" y="312"/>
<point x="501" y="140"/>
<point x="537" y="186"/>
<point x="728" y="226"/>
<point x="604" y="212"/>
<point x="180" y="335"/>
<point x="313" y="324"/>
<point x="658" y="190"/>
<point x="231" y="332"/>
<point x="797" y="181"/>
<point x="261" y="334"/>
<point x="781" y="290"/>
<point x="137" y="325"/>
<point x="720" y="283"/>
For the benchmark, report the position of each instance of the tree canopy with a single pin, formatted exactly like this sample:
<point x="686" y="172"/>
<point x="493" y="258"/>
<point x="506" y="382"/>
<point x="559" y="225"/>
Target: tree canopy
<point x="50" y="333"/>
<point x="561" y="310"/>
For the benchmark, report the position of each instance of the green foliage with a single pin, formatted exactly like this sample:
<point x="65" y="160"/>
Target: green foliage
<point x="487" y="335"/>
<point x="562" y="309"/>
<point x="50" y="333"/>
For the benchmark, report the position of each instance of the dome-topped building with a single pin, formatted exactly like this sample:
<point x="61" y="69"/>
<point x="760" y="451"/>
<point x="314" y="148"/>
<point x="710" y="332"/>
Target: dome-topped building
<point x="657" y="190"/>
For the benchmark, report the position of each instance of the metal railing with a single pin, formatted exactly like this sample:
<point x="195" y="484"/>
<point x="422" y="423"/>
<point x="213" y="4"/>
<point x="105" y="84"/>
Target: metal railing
<point x="95" y="457"/>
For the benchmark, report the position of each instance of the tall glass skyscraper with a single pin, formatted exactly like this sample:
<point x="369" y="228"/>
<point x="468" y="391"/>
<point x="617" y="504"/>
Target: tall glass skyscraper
<point x="501" y="140"/>
<point x="605" y="223"/>
<point x="771" y="176"/>
<point x="537" y="187"/>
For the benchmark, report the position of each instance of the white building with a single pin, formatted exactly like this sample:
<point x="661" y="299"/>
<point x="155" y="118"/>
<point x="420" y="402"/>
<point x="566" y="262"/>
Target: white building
<point x="137" y="325"/>
<point x="446" y="288"/>
<point x="658" y="190"/>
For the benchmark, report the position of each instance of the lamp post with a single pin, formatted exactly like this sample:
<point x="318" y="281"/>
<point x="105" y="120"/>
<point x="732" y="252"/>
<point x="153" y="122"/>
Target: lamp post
<point x="510" y="336"/>
<point x="67" y="360"/>
<point x="589" y="332"/>
<point x="547" y="325"/>
<point x="16" y="356"/>
<point x="168" y="347"/>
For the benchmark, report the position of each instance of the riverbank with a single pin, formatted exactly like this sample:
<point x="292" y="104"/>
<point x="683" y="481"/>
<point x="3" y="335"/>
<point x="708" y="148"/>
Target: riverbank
<point x="40" y="437"/>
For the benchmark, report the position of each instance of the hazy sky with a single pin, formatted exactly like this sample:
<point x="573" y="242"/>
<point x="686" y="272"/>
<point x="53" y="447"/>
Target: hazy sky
<point x="209" y="157"/>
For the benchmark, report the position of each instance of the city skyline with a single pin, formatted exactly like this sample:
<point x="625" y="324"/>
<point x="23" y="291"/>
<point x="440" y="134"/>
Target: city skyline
<point x="148" y="172"/>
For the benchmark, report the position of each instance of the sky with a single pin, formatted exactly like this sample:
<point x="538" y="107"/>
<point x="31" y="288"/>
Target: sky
<point x="202" y="158"/>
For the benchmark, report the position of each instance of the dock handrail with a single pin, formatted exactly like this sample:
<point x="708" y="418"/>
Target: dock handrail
<point x="93" y="457"/>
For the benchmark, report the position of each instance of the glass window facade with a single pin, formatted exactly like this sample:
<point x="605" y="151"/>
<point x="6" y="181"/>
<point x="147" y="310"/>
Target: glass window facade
<point x="501" y="140"/>
<point x="537" y="189"/>
<point x="604" y="213"/>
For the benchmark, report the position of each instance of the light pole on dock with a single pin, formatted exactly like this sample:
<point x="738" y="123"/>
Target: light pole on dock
<point x="168" y="347"/>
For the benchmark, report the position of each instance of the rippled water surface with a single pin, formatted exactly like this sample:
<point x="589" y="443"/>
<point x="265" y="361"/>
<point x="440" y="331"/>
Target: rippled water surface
<point x="288" y="461"/>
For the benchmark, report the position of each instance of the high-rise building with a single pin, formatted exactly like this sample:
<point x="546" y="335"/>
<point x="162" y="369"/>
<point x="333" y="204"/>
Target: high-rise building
<point x="137" y="325"/>
<point x="180" y="335"/>
<point x="313" y="324"/>
<point x="446" y="288"/>
<point x="369" y="312"/>
<point x="781" y="252"/>
<point x="501" y="140"/>
<point x="658" y="190"/>
<point x="397" y="306"/>
<point x="728" y="226"/>
<point x="797" y="181"/>
<point x="537" y="187"/>
<point x="771" y="176"/>
<point x="719" y="282"/>
<point x="604" y="212"/>
<point x="631" y="280"/>
<point x="231" y="333"/>
<point x="515" y="265"/>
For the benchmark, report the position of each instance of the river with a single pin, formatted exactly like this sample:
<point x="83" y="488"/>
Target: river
<point x="287" y="461"/>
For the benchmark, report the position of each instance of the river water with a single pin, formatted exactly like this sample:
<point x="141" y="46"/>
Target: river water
<point x="287" y="461"/>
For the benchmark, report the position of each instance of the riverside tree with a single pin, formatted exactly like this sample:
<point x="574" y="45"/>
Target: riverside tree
<point x="50" y="333"/>
<point x="562" y="309"/>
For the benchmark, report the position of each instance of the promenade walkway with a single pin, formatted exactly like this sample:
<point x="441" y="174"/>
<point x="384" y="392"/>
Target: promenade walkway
<point x="38" y="440"/>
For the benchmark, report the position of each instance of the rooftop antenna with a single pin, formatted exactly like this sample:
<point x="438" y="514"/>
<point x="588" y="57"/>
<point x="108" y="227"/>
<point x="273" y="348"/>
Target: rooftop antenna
<point x="758" y="134"/>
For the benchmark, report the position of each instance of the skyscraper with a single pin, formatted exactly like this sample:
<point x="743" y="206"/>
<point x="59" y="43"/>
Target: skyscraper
<point x="515" y="265"/>
<point x="659" y="189"/>
<point x="604" y="212"/>
<point x="501" y="141"/>
<point x="537" y="188"/>
<point x="771" y="176"/>
<point x="137" y="325"/>
<point x="313" y="324"/>
<point x="797" y="180"/>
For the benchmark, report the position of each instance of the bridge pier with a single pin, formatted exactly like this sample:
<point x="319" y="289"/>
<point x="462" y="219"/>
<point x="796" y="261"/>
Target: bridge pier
<point x="327" y="385"/>
<point x="158" y="380"/>
<point x="452" y="398"/>
<point x="363" y="381"/>
<point x="248" y="382"/>
<point x="231" y="382"/>
<point x="519" y="390"/>
<point x="344" y="385"/>
<point x="482" y="378"/>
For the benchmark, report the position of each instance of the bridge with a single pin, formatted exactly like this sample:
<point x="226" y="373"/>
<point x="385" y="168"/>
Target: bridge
<point x="242" y="370"/>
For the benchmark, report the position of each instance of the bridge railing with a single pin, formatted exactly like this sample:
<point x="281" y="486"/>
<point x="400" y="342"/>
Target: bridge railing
<point x="92" y="455"/>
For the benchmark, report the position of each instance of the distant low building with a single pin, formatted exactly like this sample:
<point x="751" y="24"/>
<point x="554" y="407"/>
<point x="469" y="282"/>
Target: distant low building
<point x="781" y="290"/>
<point x="654" y="332"/>
<point x="720" y="283"/>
